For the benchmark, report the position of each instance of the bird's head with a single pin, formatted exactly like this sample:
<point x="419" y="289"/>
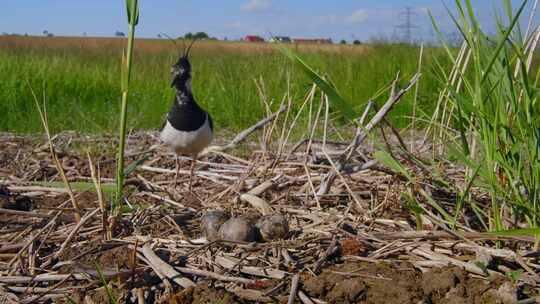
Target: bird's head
<point x="181" y="70"/>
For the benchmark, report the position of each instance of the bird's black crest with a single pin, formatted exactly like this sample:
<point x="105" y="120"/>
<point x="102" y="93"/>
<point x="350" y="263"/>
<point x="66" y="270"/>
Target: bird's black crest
<point x="186" y="51"/>
<point x="181" y="70"/>
<point x="184" y="56"/>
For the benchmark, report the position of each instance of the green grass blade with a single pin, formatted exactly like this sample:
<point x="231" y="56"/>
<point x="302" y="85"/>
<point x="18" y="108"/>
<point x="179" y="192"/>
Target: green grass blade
<point x="134" y="165"/>
<point x="343" y="106"/>
<point x="132" y="6"/>
<point x="472" y="15"/>
<point x="435" y="205"/>
<point x="462" y="196"/>
<point x="460" y="27"/>
<point x="441" y="39"/>
<point x="133" y="14"/>
<point x="78" y="186"/>
<point x="70" y="300"/>
<point x="502" y="42"/>
<point x="516" y="232"/>
<point x="110" y="295"/>
<point x="386" y="159"/>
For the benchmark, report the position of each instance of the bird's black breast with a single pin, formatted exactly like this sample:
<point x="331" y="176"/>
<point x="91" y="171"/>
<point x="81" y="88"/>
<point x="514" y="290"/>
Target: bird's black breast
<point x="187" y="116"/>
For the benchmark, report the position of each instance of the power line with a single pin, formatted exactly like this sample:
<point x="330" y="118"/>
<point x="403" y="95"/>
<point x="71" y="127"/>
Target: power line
<point x="407" y="27"/>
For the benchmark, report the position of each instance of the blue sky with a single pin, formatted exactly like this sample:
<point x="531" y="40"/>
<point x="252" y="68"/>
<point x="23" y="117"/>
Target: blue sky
<point x="342" y="19"/>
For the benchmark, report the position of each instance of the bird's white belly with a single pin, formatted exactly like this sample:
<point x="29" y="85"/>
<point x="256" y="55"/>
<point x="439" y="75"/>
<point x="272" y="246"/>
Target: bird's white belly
<point x="187" y="142"/>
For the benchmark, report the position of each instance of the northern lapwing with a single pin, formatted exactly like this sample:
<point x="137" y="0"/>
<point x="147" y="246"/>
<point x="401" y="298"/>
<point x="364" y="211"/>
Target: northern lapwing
<point x="188" y="129"/>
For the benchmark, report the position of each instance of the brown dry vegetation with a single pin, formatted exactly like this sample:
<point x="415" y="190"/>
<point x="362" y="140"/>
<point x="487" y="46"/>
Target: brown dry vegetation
<point x="161" y="45"/>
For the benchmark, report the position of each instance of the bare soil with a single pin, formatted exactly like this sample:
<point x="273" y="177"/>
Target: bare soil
<point x="403" y="283"/>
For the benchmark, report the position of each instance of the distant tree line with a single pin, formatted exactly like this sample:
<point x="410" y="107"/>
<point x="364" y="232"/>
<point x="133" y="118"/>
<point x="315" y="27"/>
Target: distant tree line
<point x="198" y="36"/>
<point x="355" y="42"/>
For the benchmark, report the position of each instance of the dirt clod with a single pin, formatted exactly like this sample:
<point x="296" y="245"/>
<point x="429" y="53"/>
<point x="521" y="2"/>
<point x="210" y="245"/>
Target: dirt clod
<point x="202" y="294"/>
<point x="401" y="283"/>
<point x="14" y="202"/>
<point x="352" y="247"/>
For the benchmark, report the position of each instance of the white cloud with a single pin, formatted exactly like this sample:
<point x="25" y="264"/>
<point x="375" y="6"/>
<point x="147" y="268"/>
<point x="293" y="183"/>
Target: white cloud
<point x="256" y="5"/>
<point x="358" y="16"/>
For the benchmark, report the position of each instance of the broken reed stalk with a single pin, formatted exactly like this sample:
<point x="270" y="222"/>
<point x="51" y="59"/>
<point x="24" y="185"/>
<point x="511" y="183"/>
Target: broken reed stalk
<point x="74" y="231"/>
<point x="294" y="288"/>
<point x="127" y="59"/>
<point x="244" y="134"/>
<point x="362" y="133"/>
<point x="96" y="178"/>
<point x="161" y="267"/>
<point x="415" y="100"/>
<point x="45" y="123"/>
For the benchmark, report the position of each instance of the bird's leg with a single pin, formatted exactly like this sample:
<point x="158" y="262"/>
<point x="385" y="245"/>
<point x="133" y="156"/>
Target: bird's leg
<point x="193" y="163"/>
<point x="176" y="171"/>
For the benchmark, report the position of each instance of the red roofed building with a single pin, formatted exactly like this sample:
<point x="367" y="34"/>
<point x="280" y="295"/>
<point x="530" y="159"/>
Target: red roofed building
<point x="252" y="38"/>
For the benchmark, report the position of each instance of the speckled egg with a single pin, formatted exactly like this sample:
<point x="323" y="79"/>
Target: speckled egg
<point x="211" y="222"/>
<point x="273" y="227"/>
<point x="239" y="229"/>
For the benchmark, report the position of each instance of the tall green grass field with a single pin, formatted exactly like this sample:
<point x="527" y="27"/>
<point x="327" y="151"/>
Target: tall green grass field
<point x="79" y="79"/>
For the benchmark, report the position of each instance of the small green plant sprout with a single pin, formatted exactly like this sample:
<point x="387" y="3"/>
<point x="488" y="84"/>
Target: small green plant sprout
<point x="386" y="159"/>
<point x="127" y="60"/>
<point x="70" y="300"/>
<point x="108" y="290"/>
<point x="515" y="275"/>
